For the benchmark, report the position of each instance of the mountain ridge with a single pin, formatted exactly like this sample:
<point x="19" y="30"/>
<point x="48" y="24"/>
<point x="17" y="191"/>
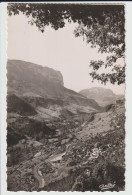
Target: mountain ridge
<point x="102" y="96"/>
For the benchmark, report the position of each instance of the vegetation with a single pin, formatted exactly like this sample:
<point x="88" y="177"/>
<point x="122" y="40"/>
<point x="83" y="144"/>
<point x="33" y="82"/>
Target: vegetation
<point x="82" y="169"/>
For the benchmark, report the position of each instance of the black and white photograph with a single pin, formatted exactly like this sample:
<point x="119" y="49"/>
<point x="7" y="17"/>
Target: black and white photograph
<point x="65" y="97"/>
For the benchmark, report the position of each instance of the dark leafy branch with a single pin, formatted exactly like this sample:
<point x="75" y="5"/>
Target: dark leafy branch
<point x="115" y="77"/>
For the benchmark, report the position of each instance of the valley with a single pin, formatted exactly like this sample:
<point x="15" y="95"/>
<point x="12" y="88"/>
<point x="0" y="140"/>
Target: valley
<point x="58" y="139"/>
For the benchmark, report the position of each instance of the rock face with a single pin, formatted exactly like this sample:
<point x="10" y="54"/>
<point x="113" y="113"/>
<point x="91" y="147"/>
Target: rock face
<point x="101" y="95"/>
<point x="29" y="79"/>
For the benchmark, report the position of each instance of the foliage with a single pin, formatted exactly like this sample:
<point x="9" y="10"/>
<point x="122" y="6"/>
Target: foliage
<point x="100" y="25"/>
<point x="109" y="37"/>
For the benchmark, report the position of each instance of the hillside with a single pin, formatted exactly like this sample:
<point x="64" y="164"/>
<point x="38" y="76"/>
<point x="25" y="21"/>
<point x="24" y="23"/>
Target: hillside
<point x="91" y="152"/>
<point x="19" y="106"/>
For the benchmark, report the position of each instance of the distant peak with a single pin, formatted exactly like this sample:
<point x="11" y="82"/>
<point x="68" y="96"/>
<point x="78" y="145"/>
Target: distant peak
<point x="103" y="96"/>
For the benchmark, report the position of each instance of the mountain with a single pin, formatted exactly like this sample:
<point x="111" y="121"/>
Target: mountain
<point x="101" y="95"/>
<point x="42" y="86"/>
<point x="120" y="97"/>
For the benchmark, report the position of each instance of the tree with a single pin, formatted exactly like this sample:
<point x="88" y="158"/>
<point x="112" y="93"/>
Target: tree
<point x="101" y="26"/>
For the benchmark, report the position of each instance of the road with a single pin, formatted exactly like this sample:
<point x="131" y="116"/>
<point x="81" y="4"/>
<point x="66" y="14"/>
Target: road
<point x="38" y="176"/>
<point x="37" y="172"/>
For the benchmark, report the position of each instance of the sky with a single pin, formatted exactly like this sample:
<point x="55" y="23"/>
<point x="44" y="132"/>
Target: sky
<point x="59" y="50"/>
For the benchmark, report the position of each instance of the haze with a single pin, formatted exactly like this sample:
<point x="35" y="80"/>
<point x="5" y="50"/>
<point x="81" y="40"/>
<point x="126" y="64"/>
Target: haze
<point x="59" y="50"/>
